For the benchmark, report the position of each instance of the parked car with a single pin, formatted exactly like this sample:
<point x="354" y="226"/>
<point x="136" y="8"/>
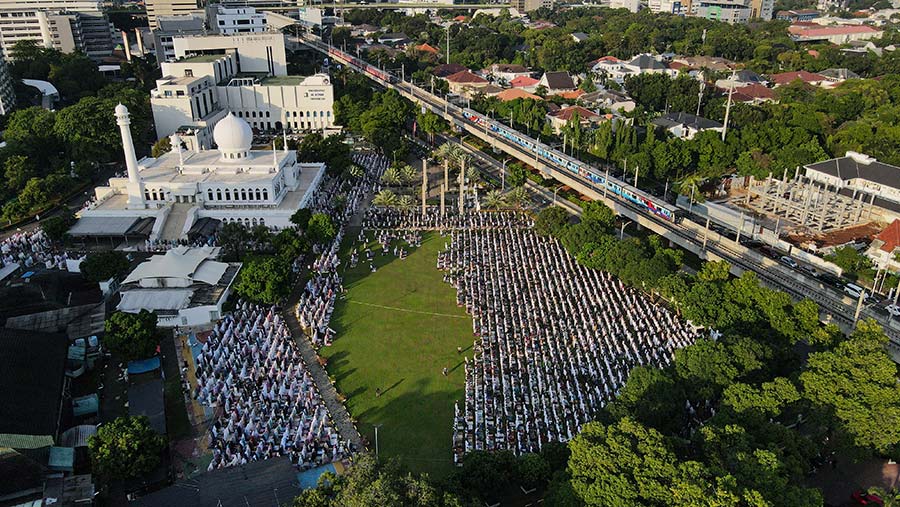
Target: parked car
<point x="853" y="290"/>
<point x="787" y="261"/>
<point x="861" y="497"/>
<point x="893" y="310"/>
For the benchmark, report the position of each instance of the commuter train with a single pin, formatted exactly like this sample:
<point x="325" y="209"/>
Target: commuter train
<point x="651" y="204"/>
<point x="341" y="56"/>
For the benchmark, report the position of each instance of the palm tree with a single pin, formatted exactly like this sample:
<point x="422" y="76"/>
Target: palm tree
<point x="392" y="177"/>
<point x="493" y="200"/>
<point x="452" y="153"/>
<point x="408" y="174"/>
<point x="356" y="171"/>
<point x="517" y="197"/>
<point x="385" y="198"/>
<point x="473" y="175"/>
<point x="406" y="202"/>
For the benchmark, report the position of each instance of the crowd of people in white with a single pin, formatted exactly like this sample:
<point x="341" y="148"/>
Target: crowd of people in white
<point x="555" y="341"/>
<point x="31" y="249"/>
<point x="266" y="403"/>
<point x="317" y="301"/>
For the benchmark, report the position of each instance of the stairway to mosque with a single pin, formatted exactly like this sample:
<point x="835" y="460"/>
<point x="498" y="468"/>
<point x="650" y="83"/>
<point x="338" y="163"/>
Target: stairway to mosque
<point x="175" y="221"/>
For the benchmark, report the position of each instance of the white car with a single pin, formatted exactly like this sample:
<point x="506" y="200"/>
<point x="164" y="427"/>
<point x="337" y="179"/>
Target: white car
<point x="893" y="310"/>
<point x="787" y="261"/>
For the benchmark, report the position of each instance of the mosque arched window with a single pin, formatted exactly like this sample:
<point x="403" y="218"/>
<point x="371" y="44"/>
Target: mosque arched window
<point x="227" y="194"/>
<point x="258" y="195"/>
<point x="265" y="194"/>
<point x="218" y="194"/>
<point x="209" y="194"/>
<point x="146" y="194"/>
<point x="243" y="194"/>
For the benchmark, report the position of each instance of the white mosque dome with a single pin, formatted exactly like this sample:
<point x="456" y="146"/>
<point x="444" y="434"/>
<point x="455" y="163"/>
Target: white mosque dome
<point x="121" y="110"/>
<point x="233" y="135"/>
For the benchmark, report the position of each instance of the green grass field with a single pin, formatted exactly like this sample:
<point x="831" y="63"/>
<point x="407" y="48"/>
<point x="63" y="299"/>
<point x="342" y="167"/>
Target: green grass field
<point x="400" y="346"/>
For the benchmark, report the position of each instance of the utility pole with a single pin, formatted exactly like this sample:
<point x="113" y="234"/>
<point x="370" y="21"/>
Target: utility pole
<point x="728" y="106"/>
<point x="706" y="233"/>
<point x="448" y="44"/>
<point x="462" y="186"/>
<point x="503" y="176"/>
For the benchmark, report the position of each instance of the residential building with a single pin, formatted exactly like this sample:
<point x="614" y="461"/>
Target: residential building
<point x="530" y="5"/>
<point x="798" y="15"/>
<point x="169" y="27"/>
<point x="835" y="77"/>
<point x="178" y="189"/>
<point x="505" y="72"/>
<point x="526" y="83"/>
<point x="516" y="93"/>
<point x="561" y="118"/>
<point x="7" y="93"/>
<point x="740" y="79"/>
<point x="884" y="247"/>
<point x="705" y="62"/>
<point x="184" y="287"/>
<point x="427" y="48"/>
<point x="860" y="174"/>
<point x="447" y="69"/>
<point x="810" y="78"/>
<point x="556" y="82"/>
<point x="579" y="36"/>
<point x="66" y="25"/>
<point x="686" y="125"/>
<point x="232" y="20"/>
<point x="752" y="94"/>
<point x="610" y="100"/>
<point x="159" y="8"/>
<point x="463" y="81"/>
<point x="393" y="39"/>
<point x="838" y="34"/>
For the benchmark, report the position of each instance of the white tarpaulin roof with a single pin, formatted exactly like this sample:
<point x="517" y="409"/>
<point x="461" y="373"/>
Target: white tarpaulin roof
<point x="134" y="301"/>
<point x="183" y="265"/>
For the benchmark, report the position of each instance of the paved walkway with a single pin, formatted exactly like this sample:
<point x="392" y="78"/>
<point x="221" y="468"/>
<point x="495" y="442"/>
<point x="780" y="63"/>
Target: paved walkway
<point x="329" y="394"/>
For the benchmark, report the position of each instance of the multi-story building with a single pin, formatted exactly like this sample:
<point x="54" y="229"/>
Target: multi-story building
<point x="157" y="8"/>
<point x="728" y="11"/>
<point x="244" y="74"/>
<point x="67" y="25"/>
<point x="762" y="9"/>
<point x="678" y="7"/>
<point x="169" y="27"/>
<point x="7" y="94"/>
<point x="530" y="5"/>
<point x="232" y="20"/>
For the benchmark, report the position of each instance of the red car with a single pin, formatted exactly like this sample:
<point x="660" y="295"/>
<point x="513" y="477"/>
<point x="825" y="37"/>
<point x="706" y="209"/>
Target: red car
<point x="860" y="497"/>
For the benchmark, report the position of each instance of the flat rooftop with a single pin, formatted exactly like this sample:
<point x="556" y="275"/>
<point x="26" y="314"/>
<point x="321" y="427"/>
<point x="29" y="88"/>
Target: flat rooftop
<point x="283" y="81"/>
<point x="202" y="58"/>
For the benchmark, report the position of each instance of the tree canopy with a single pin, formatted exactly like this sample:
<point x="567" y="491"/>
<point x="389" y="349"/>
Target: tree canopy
<point x="125" y="448"/>
<point x="264" y="279"/>
<point x="132" y="335"/>
<point x="101" y="266"/>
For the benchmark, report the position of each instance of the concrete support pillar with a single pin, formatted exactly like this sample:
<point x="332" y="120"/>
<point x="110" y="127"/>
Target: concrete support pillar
<point x="424" y="184"/>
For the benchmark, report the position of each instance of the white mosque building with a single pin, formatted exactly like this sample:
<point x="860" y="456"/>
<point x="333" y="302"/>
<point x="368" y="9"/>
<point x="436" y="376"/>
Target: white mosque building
<point x="166" y="198"/>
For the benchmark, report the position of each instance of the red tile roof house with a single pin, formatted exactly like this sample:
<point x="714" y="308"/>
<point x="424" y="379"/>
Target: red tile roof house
<point x="753" y="93"/>
<point x="804" y="76"/>
<point x="529" y="84"/>
<point x="559" y="119"/>
<point x="465" y="80"/>
<point x="885" y="245"/>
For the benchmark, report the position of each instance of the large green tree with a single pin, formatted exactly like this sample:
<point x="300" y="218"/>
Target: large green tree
<point x="264" y="279"/>
<point x="125" y="448"/>
<point x="132" y="336"/>
<point x="101" y="266"/>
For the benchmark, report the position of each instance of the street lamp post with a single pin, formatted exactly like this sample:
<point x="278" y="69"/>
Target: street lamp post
<point x="503" y="176"/>
<point x="554" y="193"/>
<point x="376" y="438"/>
<point x="625" y="223"/>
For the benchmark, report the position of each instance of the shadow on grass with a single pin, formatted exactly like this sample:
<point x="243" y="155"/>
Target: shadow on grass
<point x="414" y="427"/>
